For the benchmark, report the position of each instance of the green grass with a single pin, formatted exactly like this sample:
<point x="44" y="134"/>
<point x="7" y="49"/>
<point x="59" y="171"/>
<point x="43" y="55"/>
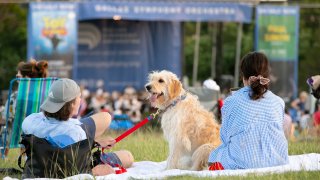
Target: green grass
<point x="145" y="146"/>
<point x="149" y="145"/>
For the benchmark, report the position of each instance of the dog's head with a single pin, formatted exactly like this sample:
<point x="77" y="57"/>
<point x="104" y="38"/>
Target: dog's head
<point x="163" y="87"/>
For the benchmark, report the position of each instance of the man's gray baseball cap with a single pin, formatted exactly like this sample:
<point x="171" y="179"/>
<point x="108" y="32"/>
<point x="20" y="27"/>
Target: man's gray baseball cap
<point x="61" y="91"/>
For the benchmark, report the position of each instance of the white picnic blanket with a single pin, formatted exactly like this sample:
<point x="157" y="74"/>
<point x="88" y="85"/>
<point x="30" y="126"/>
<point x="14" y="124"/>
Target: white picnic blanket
<point x="156" y="170"/>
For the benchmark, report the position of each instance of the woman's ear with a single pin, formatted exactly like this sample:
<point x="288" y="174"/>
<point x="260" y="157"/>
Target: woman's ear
<point x="175" y="88"/>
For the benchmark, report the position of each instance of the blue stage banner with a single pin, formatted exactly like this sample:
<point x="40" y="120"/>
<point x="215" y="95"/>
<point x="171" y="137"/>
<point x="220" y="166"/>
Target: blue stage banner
<point x="123" y="53"/>
<point x="52" y="36"/>
<point x="167" y="11"/>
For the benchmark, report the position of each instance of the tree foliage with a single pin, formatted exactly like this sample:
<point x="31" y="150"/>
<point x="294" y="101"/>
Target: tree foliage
<point x="226" y="63"/>
<point x="309" y="45"/>
<point x="13" y="40"/>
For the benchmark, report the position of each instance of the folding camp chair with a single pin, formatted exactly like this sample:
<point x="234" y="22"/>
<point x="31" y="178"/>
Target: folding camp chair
<point x="31" y="93"/>
<point x="208" y="99"/>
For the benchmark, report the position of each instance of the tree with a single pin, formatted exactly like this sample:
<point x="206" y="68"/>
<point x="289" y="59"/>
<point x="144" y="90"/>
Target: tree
<point x="226" y="58"/>
<point x="13" y="40"/>
<point x="309" y="45"/>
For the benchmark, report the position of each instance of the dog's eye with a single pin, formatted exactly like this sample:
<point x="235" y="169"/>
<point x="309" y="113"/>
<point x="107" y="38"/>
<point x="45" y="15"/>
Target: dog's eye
<point x="161" y="80"/>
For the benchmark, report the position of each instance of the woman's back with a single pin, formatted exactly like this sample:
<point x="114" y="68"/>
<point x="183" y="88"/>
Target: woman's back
<point x="267" y="109"/>
<point x="255" y="129"/>
<point x="252" y="121"/>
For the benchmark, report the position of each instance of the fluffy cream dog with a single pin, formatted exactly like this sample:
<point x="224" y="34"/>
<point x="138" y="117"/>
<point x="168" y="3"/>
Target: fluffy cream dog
<point x="191" y="131"/>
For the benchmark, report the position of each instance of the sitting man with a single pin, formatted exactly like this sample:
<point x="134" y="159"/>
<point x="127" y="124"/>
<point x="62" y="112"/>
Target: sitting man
<point x="56" y="128"/>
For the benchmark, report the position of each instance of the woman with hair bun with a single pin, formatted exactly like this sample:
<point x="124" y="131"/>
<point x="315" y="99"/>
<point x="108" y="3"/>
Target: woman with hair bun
<point x="30" y="69"/>
<point x="252" y="122"/>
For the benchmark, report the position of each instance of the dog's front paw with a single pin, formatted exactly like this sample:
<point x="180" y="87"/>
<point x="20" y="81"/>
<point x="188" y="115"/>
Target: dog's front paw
<point x="170" y="165"/>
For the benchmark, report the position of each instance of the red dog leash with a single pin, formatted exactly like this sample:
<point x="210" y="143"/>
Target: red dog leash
<point x="137" y="126"/>
<point x="121" y="169"/>
<point x="134" y="128"/>
<point x="149" y="118"/>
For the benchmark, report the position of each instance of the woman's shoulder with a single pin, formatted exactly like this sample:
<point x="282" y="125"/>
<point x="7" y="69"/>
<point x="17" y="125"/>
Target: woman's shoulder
<point x="269" y="94"/>
<point x="242" y="96"/>
<point x="243" y="92"/>
<point x="234" y="99"/>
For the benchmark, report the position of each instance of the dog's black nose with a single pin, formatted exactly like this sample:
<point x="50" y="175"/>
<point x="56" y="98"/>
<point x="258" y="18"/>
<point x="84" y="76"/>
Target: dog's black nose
<point x="148" y="87"/>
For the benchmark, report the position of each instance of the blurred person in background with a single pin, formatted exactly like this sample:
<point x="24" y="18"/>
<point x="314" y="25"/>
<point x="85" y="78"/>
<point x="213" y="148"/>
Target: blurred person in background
<point x="314" y="83"/>
<point x="288" y="126"/>
<point x="116" y="101"/>
<point x="98" y="100"/>
<point x="31" y="69"/>
<point x="131" y="104"/>
<point x="298" y="107"/>
<point x="85" y="94"/>
<point x="304" y="123"/>
<point x="316" y="119"/>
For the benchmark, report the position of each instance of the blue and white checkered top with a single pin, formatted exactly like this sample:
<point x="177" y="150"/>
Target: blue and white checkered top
<point x="251" y="132"/>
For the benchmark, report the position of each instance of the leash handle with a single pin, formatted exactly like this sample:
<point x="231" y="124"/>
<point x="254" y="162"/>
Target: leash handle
<point x="134" y="128"/>
<point x="120" y="169"/>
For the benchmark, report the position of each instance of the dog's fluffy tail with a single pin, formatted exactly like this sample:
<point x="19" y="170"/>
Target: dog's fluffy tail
<point x="200" y="157"/>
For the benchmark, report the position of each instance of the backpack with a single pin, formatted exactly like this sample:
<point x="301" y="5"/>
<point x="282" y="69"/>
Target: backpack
<point x="47" y="161"/>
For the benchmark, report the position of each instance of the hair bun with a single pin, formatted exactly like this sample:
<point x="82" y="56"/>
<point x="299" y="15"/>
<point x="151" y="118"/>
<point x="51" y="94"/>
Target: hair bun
<point x="42" y="65"/>
<point x="41" y="68"/>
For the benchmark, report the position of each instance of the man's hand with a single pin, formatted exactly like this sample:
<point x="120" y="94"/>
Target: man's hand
<point x="106" y="142"/>
<point x="102" y="169"/>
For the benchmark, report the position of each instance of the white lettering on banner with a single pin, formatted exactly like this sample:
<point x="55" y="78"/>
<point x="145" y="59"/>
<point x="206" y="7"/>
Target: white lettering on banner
<point x="58" y="68"/>
<point x="109" y="64"/>
<point x="111" y="9"/>
<point x="286" y="11"/>
<point x="210" y="10"/>
<point x="110" y="53"/>
<point x="61" y="6"/>
<point x="156" y="9"/>
<point x="121" y="41"/>
<point x="279" y="52"/>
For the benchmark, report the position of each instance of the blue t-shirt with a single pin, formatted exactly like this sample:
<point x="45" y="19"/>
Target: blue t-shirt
<point x="58" y="133"/>
<point x="251" y="132"/>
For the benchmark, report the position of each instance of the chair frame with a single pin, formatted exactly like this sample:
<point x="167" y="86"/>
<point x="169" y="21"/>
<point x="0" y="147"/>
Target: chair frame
<point x="8" y="108"/>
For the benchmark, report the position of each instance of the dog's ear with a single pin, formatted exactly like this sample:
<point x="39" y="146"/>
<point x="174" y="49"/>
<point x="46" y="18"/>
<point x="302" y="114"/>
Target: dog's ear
<point x="175" y="88"/>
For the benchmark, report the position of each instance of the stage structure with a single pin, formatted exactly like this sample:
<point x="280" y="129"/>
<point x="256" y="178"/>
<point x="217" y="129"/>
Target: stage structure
<point x="118" y="43"/>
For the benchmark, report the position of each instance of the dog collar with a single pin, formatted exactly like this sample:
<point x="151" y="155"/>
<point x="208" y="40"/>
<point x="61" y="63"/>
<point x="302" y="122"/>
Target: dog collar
<point x="180" y="98"/>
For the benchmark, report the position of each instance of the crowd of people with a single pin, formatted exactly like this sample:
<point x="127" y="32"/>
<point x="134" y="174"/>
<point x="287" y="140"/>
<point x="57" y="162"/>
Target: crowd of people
<point x="71" y="114"/>
<point x="301" y="118"/>
<point x="130" y="102"/>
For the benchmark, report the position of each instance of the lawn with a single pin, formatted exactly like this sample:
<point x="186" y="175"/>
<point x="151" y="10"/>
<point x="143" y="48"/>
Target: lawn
<point x="149" y="145"/>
